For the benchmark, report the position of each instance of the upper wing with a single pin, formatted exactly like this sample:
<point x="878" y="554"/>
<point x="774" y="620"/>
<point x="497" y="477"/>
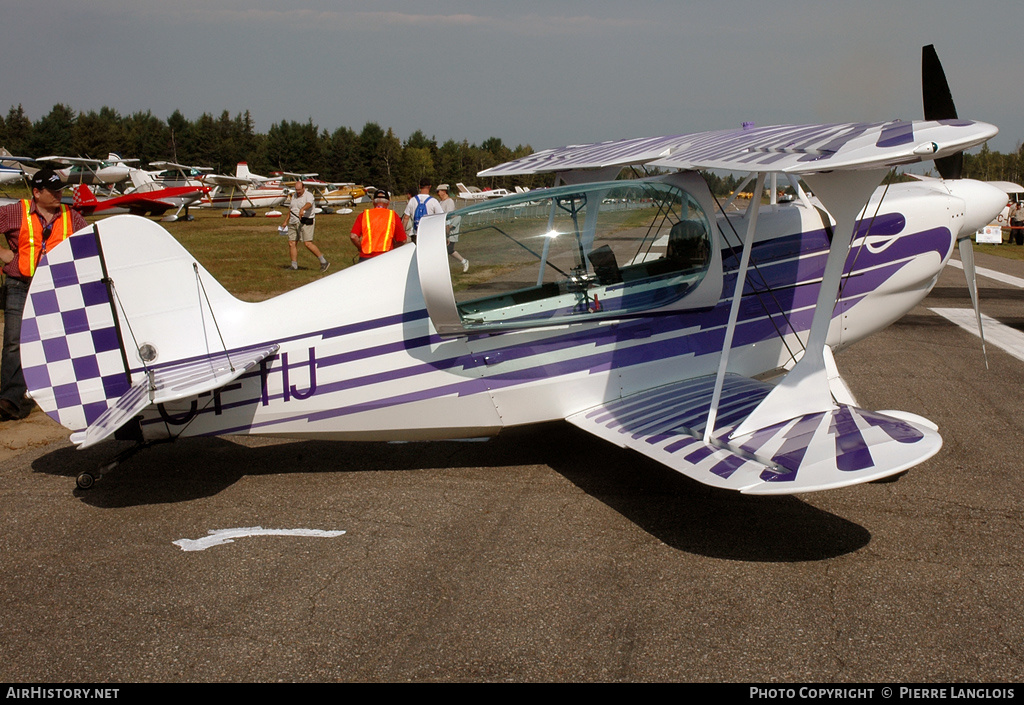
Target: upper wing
<point x="224" y="180"/>
<point x="20" y="160"/>
<point x="69" y="160"/>
<point x="175" y="165"/>
<point x="797" y="149"/>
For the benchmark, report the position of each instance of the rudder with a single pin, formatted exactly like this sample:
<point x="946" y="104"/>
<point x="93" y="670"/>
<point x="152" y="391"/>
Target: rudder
<point x="112" y="303"/>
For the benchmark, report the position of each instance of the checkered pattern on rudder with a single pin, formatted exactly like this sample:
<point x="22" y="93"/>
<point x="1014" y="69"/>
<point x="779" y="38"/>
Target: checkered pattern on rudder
<point x="70" y="348"/>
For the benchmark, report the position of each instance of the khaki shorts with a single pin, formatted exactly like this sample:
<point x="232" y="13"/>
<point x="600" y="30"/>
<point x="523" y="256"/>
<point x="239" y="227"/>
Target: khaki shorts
<point x="298" y="231"/>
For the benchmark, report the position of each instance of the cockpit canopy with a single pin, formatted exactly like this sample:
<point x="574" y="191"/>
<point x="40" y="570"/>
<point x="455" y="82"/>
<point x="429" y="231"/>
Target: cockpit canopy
<point x="576" y="253"/>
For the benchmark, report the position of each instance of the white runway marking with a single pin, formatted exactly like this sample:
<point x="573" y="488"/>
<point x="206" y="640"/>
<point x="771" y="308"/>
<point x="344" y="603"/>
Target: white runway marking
<point x="991" y="274"/>
<point x="1002" y="336"/>
<point x="221" y="536"/>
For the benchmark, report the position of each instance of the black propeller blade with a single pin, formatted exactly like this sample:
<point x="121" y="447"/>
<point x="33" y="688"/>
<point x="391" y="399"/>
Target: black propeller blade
<point x="938" y="105"/>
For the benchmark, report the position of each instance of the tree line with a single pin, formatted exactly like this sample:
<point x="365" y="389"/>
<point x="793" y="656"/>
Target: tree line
<point x="987" y="165"/>
<point x="373" y="156"/>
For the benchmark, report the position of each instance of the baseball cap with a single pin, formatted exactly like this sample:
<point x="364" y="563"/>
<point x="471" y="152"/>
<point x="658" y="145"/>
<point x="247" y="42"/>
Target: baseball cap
<point x="46" y="179"/>
<point x="381" y="193"/>
<point x="442" y="187"/>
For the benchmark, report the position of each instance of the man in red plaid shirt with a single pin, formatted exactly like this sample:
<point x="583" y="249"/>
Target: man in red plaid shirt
<point x="31" y="227"/>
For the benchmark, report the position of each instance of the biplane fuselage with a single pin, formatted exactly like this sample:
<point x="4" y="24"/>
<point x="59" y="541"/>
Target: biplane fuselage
<point x="365" y="361"/>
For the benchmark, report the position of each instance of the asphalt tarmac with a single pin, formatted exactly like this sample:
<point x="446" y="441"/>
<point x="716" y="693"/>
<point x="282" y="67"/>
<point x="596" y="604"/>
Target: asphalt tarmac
<point x="543" y="555"/>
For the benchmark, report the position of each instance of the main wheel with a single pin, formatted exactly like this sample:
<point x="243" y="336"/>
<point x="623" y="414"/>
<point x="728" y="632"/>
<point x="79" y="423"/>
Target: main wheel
<point x="85" y="481"/>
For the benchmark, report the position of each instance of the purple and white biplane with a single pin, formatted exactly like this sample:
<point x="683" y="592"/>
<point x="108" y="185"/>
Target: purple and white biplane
<point x="639" y="310"/>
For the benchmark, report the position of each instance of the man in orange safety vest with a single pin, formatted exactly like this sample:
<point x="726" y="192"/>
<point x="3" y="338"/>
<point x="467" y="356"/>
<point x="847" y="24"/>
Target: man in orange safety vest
<point x="379" y="229"/>
<point x="32" y="227"/>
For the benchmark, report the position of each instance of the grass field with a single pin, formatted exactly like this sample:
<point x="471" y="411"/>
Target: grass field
<point x="250" y="258"/>
<point x="1005" y="250"/>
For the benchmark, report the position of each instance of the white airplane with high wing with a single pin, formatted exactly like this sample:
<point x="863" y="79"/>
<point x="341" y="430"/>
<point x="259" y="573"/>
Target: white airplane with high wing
<point x="634" y="309"/>
<point x="12" y="168"/>
<point x="474" y="193"/>
<point x="92" y="172"/>
<point x="173" y="174"/>
<point x="243" y="190"/>
<point x="329" y="195"/>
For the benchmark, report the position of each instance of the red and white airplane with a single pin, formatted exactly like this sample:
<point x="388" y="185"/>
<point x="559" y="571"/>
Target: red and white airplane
<point x="148" y="198"/>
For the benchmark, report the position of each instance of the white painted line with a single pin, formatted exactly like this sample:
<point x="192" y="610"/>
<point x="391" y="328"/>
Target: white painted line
<point x="991" y="274"/>
<point x="222" y="536"/>
<point x="1002" y="336"/>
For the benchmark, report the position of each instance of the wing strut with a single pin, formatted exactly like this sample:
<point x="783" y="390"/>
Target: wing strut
<point x="734" y="308"/>
<point x="805" y="390"/>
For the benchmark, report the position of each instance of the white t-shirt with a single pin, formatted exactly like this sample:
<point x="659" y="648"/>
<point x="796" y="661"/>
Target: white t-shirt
<point x="432" y="206"/>
<point x="298" y="202"/>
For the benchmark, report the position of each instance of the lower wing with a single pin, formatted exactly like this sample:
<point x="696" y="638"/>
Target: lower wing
<point x="819" y="451"/>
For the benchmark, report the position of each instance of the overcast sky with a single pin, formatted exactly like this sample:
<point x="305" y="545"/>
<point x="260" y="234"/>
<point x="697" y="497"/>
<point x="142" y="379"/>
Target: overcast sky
<point x="540" y="73"/>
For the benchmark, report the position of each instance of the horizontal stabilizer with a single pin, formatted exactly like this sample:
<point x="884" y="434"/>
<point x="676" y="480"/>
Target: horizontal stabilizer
<point x="844" y="446"/>
<point x="123" y="410"/>
<point x="175" y="381"/>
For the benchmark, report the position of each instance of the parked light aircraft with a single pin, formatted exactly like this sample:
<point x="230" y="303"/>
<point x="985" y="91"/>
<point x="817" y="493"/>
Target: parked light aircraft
<point x="148" y="198"/>
<point x="629" y="308"/>
<point x="10" y="174"/>
<point x="94" y="172"/>
<point x="243" y="190"/>
<point x="473" y="193"/>
<point x="12" y="168"/>
<point x="174" y="174"/>
<point x="329" y="195"/>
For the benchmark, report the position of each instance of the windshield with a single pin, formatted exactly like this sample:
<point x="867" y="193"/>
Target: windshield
<point x="599" y="250"/>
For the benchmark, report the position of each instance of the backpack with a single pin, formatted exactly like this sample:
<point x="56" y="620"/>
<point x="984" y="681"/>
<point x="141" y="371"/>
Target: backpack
<point x="421" y="210"/>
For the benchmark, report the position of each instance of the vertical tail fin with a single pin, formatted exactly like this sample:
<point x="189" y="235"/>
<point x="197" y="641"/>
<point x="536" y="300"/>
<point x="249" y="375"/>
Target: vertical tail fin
<point x="116" y="303"/>
<point x="140" y="179"/>
<point x="84" y="196"/>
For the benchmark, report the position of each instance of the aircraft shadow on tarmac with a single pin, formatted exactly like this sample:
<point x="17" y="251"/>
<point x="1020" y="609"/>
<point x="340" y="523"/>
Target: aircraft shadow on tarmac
<point x="678" y="511"/>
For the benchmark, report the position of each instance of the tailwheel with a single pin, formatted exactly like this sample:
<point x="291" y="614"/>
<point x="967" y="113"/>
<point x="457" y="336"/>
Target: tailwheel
<point x="88" y="478"/>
